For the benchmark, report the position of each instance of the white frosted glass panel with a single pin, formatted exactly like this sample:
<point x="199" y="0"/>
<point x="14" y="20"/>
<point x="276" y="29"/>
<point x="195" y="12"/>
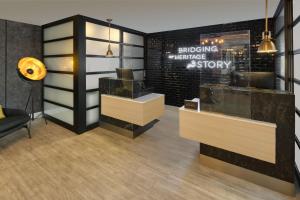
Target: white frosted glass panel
<point x="92" y="99"/>
<point x="296" y="7"/>
<point x="101" y="32"/>
<point x="297" y="95"/>
<point x="280" y="21"/>
<point x="280" y="85"/>
<point x="297" y="156"/>
<point x="59" y="47"/>
<point x="92" y="116"/>
<point x="59" y="96"/>
<point x="100" y="48"/>
<point x="133" y="63"/>
<point x="138" y="75"/>
<point x="61" y="113"/>
<point x="101" y="64"/>
<point x="92" y="81"/>
<point x="59" y="63"/>
<point x="59" y="31"/>
<point x="297" y="66"/>
<point x="133" y="51"/>
<point x="297" y="37"/>
<point x="280" y="65"/>
<point x="130" y="38"/>
<point x="59" y="80"/>
<point x="297" y="126"/>
<point x="280" y="42"/>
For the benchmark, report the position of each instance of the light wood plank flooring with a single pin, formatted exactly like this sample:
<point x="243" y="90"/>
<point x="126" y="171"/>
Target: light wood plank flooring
<point x="59" y="165"/>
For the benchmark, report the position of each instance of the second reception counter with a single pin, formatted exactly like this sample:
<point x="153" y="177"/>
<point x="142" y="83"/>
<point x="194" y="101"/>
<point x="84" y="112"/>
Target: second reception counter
<point x="246" y="132"/>
<point x="127" y="107"/>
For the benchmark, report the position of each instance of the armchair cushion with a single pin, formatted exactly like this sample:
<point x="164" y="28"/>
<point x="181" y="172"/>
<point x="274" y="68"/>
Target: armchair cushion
<point x="12" y="122"/>
<point x="14" y="118"/>
<point x="9" y="112"/>
<point x="2" y="116"/>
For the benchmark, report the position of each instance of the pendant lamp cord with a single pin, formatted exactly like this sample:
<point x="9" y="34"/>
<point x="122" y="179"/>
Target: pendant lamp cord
<point x="109" y="33"/>
<point x="267" y="30"/>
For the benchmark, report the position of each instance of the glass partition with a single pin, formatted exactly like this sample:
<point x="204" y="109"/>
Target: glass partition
<point x="227" y="83"/>
<point x="227" y="59"/>
<point x="123" y="88"/>
<point x="234" y="101"/>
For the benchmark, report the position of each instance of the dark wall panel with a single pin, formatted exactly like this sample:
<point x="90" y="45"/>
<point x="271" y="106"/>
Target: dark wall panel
<point x="2" y="62"/>
<point x="173" y="79"/>
<point x="22" y="40"/>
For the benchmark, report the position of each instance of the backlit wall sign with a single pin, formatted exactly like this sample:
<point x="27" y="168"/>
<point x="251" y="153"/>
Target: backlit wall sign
<point x="199" y="57"/>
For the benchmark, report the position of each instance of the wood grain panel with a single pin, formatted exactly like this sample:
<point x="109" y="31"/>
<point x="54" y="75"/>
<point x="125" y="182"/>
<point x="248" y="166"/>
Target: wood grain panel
<point x="244" y="136"/>
<point x="153" y="109"/>
<point x="139" y="111"/>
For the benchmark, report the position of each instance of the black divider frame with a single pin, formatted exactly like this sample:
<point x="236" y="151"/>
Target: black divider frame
<point x="79" y="55"/>
<point x="290" y="80"/>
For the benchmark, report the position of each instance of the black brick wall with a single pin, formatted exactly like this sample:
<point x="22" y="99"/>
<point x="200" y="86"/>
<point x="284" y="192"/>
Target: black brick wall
<point x="173" y="79"/>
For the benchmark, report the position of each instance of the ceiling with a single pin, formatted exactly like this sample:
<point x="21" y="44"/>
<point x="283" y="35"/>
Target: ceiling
<point x="143" y="15"/>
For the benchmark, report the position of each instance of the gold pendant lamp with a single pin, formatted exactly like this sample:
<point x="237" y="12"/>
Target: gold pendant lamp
<point x="267" y="45"/>
<point x="109" y="52"/>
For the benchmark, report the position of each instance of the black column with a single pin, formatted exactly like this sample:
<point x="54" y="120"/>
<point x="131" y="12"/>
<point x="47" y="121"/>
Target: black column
<point x="79" y="74"/>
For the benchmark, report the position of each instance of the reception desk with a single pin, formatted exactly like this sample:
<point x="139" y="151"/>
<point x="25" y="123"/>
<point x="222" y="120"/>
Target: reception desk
<point x="245" y="132"/>
<point x="139" y="111"/>
<point x="127" y="107"/>
<point x="247" y="137"/>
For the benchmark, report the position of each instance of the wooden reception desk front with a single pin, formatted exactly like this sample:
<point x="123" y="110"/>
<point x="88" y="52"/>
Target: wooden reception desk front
<point x="243" y="136"/>
<point x="245" y="132"/>
<point x="139" y="111"/>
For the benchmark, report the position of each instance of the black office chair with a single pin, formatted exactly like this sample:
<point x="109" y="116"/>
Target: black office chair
<point x="14" y="120"/>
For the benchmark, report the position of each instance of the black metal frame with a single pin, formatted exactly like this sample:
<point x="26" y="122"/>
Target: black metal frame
<point x="121" y="57"/>
<point x="287" y="6"/>
<point x="79" y="75"/>
<point x="296" y="81"/>
<point x="79" y="72"/>
<point x="17" y="128"/>
<point x="62" y="123"/>
<point x="289" y="53"/>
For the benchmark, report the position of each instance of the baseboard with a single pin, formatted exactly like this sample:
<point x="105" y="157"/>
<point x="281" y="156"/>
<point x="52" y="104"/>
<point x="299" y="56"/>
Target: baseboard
<point x="297" y="173"/>
<point x="249" y="175"/>
<point x="37" y="115"/>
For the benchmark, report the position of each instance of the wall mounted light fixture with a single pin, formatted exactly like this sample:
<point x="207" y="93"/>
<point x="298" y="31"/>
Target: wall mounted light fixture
<point x="267" y="45"/>
<point x="109" y="52"/>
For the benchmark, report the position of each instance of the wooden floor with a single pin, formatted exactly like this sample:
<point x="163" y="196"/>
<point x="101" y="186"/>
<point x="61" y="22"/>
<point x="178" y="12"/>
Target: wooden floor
<point x="59" y="165"/>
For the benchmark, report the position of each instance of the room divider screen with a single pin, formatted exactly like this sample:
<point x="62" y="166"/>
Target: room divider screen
<point x="287" y="17"/>
<point x="296" y="53"/>
<point x="74" y="51"/>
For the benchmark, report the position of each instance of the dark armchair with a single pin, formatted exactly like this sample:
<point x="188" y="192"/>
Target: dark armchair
<point x="14" y="120"/>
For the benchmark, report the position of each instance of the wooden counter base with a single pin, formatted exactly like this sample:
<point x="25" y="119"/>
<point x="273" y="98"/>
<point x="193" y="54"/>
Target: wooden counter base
<point x="139" y="111"/>
<point x="135" y="132"/>
<point x="247" y="137"/>
<point x="249" y="175"/>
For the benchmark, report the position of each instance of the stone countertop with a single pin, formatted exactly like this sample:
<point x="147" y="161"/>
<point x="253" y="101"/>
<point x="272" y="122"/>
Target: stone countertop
<point x="245" y="89"/>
